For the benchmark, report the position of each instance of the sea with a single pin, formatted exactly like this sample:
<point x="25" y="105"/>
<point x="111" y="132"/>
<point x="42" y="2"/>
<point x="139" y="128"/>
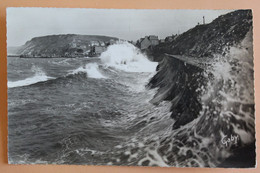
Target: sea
<point x="81" y="110"/>
<point x="98" y="111"/>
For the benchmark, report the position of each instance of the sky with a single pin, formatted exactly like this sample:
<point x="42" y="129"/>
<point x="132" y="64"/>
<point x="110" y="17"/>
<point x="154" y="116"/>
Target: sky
<point x="131" y="24"/>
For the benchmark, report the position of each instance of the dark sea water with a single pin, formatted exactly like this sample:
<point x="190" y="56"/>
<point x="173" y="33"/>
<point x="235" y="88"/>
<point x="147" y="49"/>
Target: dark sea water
<point x="76" y="111"/>
<point x="99" y="111"/>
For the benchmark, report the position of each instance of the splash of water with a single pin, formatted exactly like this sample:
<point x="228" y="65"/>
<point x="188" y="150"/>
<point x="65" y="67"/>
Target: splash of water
<point x="125" y="56"/>
<point x="92" y="70"/>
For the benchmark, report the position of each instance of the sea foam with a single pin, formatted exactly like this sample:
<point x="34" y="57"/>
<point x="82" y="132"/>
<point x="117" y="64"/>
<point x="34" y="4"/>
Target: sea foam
<point x="39" y="76"/>
<point x="125" y="56"/>
<point x="91" y="69"/>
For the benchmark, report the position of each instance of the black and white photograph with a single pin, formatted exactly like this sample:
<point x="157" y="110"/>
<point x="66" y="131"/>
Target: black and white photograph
<point x="131" y="87"/>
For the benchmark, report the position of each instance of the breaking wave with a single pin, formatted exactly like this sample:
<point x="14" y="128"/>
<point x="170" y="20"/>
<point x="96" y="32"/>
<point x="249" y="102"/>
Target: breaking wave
<point x="121" y="56"/>
<point x="39" y="76"/>
<point x="125" y="56"/>
<point x="92" y="70"/>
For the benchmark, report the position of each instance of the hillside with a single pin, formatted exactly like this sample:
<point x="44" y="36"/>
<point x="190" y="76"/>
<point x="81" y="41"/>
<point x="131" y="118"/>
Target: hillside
<point x="209" y="39"/>
<point x="178" y="81"/>
<point x="60" y="45"/>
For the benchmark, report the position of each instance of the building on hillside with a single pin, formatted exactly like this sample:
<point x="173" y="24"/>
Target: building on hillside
<point x="147" y="41"/>
<point x="97" y="50"/>
<point x="154" y="40"/>
<point x="75" y="43"/>
<point x="79" y="45"/>
<point x="94" y="43"/>
<point x="144" y="43"/>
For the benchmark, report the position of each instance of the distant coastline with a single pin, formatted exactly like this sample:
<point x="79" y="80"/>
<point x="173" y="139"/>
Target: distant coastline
<point x="62" y="46"/>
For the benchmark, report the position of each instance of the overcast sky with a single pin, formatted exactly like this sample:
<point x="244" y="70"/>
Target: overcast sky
<point x="25" y="23"/>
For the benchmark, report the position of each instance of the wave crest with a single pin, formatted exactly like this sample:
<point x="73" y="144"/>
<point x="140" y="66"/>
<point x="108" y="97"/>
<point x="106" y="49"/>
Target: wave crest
<point x="39" y="76"/>
<point x="125" y="56"/>
<point x="91" y="69"/>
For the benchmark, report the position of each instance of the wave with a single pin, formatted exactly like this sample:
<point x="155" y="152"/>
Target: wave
<point x="121" y="56"/>
<point x="92" y="70"/>
<point x="124" y="56"/>
<point x="39" y="76"/>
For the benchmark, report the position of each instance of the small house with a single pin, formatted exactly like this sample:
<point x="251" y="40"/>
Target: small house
<point x="94" y="43"/>
<point x="154" y="40"/>
<point x="144" y="43"/>
<point x="148" y="41"/>
<point x="97" y="50"/>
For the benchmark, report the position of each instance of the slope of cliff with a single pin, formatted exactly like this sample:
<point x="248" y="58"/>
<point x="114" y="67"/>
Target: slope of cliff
<point x="209" y="80"/>
<point x="209" y="39"/>
<point x="179" y="82"/>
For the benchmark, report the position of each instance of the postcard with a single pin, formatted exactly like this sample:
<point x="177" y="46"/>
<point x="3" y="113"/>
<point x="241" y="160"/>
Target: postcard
<point x="131" y="87"/>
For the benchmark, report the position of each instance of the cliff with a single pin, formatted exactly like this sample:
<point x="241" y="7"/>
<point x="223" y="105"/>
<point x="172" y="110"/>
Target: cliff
<point x="178" y="81"/>
<point x="209" y="39"/>
<point x="207" y="74"/>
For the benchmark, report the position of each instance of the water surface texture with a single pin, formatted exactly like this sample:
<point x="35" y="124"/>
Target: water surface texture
<point x="101" y="111"/>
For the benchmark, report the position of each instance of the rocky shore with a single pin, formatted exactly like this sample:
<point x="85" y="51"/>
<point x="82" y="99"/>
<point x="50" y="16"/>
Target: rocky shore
<point x="183" y="83"/>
